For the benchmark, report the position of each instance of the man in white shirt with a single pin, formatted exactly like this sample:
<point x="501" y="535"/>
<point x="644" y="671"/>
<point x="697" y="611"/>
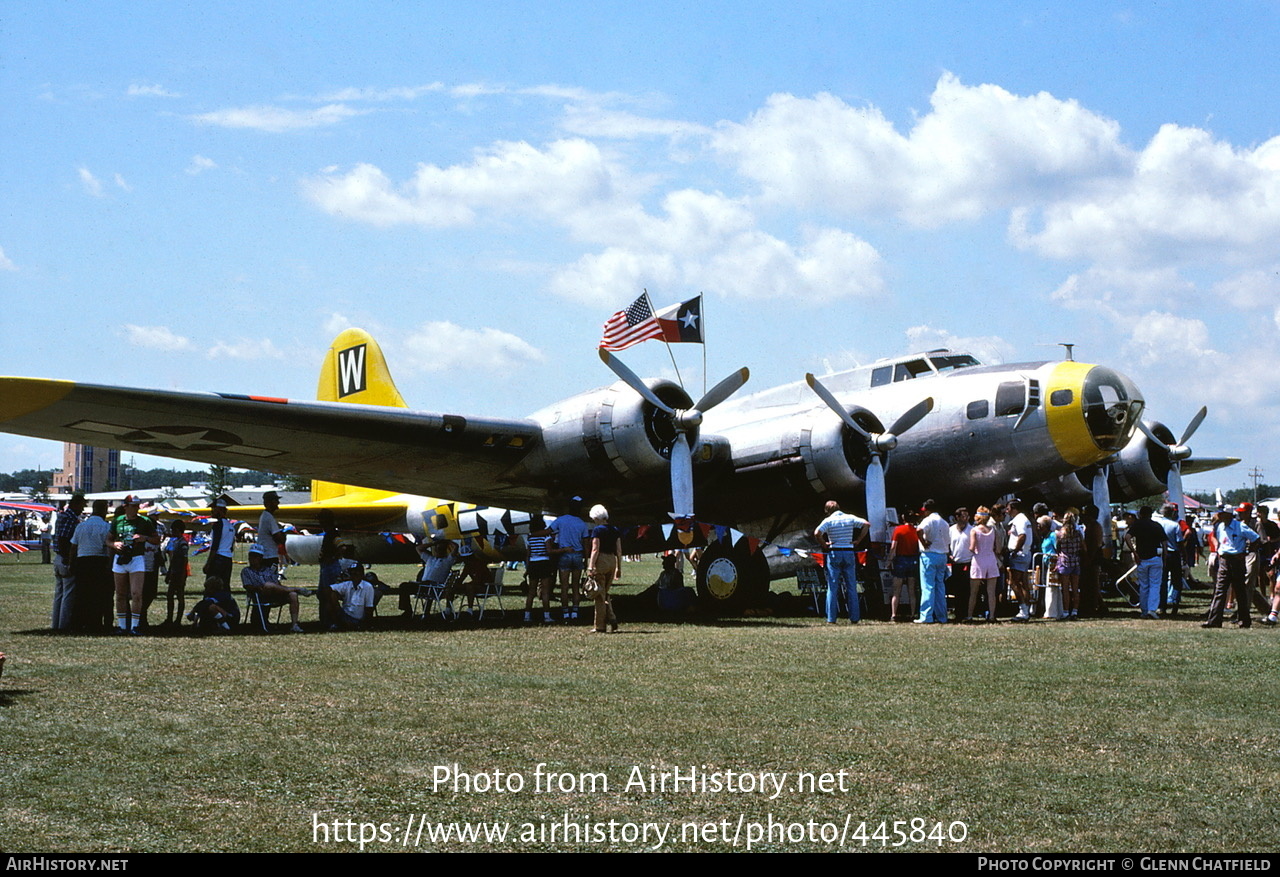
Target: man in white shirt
<point x="839" y="534"/>
<point x="222" y="542"/>
<point x="91" y="606"/>
<point x="270" y="533"/>
<point x="353" y="600"/>
<point x="960" y="583"/>
<point x="1021" y="548"/>
<point x="935" y="541"/>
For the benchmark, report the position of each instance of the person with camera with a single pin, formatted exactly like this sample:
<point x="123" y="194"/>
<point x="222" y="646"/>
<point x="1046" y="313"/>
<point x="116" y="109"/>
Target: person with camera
<point x="130" y="535"/>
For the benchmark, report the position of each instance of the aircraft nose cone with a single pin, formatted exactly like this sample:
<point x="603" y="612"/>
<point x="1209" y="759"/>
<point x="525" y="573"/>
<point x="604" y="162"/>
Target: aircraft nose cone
<point x="1112" y="405"/>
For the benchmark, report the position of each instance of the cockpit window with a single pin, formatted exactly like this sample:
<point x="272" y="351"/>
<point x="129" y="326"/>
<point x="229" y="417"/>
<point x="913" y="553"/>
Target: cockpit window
<point x="881" y="376"/>
<point x="952" y="361"/>
<point x="905" y="371"/>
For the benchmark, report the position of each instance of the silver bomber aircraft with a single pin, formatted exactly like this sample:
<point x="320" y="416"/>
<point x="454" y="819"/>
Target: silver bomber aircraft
<point x="957" y="431"/>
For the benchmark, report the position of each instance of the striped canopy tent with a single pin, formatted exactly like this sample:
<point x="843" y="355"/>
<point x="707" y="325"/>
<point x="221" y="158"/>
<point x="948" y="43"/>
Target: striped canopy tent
<point x="13" y="548"/>
<point x="26" y="507"/>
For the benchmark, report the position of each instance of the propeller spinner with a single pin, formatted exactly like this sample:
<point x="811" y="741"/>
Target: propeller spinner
<point x="685" y="421"/>
<point x="878" y="446"/>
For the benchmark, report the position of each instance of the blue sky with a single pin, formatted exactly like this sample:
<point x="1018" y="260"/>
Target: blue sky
<point x="199" y="196"/>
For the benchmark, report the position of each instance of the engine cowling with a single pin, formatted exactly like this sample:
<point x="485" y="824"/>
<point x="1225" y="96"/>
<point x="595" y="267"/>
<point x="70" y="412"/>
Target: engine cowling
<point x="835" y="456"/>
<point x="1143" y="466"/>
<point x="609" y="437"/>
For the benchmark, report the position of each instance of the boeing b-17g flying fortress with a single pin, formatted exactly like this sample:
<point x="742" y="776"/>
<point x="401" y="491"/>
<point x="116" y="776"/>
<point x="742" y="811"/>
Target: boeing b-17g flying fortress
<point x="762" y="463"/>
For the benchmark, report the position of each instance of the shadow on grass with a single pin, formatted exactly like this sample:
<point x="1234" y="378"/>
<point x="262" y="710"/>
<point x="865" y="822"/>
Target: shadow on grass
<point x="8" y="696"/>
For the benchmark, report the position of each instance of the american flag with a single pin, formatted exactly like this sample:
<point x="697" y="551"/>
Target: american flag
<point x="631" y="326"/>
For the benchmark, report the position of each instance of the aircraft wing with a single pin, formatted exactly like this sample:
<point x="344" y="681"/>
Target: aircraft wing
<point x="389" y="448"/>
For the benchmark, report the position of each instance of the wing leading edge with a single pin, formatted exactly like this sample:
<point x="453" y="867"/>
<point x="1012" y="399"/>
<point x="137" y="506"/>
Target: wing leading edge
<point x="392" y="449"/>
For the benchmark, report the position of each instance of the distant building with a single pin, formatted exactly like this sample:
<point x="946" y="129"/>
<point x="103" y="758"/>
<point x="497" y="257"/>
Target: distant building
<point x="86" y="469"/>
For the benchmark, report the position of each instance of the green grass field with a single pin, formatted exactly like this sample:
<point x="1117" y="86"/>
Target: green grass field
<point x="1109" y="735"/>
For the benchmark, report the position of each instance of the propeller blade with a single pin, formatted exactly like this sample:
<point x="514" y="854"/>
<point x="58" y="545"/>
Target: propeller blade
<point x="1175" y="489"/>
<point x="681" y="478"/>
<point x="1146" y="430"/>
<point x="834" y="404"/>
<point x="1193" y="425"/>
<point x="723" y="390"/>
<point x="876" y="511"/>
<point x="913" y="415"/>
<point x="1102" y="499"/>
<point x="633" y="381"/>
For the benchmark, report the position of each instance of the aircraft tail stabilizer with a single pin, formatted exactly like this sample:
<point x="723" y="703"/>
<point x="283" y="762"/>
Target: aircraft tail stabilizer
<point x="355" y="371"/>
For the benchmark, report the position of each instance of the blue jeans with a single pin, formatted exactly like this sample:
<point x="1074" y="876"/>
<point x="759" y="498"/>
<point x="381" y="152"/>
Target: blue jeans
<point x="933" y="587"/>
<point x="1149" y="574"/>
<point x="842" y="571"/>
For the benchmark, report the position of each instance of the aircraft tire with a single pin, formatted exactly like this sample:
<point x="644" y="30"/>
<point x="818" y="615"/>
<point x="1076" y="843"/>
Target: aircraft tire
<point x="731" y="579"/>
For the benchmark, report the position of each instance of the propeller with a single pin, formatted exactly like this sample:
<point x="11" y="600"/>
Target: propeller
<point x="878" y="446"/>
<point x="1102" y="499"/>
<point x="1178" y="451"/>
<point x="685" y="421"/>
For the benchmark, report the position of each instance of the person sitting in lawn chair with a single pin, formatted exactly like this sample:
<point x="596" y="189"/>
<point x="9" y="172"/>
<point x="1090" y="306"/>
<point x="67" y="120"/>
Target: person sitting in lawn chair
<point x="264" y="581"/>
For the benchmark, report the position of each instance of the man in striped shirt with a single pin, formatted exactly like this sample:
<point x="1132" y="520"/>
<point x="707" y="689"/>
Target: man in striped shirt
<point x="839" y="534"/>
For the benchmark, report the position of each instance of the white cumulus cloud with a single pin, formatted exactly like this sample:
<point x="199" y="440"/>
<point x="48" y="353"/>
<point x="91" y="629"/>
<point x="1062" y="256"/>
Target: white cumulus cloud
<point x="979" y="148"/>
<point x="91" y="184"/>
<point x="1125" y="289"/>
<point x="200" y="164"/>
<point x="246" y="349"/>
<point x="1189" y="199"/>
<point x="698" y="239"/>
<point x="156" y="338"/>
<point x="6" y="264"/>
<point x="150" y="90"/>
<point x="990" y="349"/>
<point x="277" y="120"/>
<point x="507" y="178"/>
<point x="446" y="348"/>
<point x="1162" y="338"/>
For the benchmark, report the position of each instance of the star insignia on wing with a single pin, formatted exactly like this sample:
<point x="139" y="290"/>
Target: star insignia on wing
<point x="182" y="438"/>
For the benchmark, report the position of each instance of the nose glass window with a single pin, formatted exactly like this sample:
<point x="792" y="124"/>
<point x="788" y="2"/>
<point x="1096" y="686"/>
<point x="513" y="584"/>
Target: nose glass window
<point x="1111" y="407"/>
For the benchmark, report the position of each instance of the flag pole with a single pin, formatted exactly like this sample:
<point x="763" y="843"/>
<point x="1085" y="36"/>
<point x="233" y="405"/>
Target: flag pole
<point x="703" y="307"/>
<point x="670" y="353"/>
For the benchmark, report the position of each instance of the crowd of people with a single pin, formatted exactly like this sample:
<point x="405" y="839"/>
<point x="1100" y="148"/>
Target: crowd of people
<point x="1000" y="561"/>
<point x="108" y="569"/>
<point x="1048" y="564"/>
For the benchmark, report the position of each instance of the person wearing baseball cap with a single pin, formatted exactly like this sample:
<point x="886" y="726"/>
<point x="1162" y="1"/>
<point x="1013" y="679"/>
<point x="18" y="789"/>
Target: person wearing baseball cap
<point x="262" y="579"/>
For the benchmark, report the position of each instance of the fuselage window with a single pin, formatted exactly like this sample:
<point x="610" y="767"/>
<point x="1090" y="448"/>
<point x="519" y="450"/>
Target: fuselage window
<point x="1061" y="397"/>
<point x="1011" y="398"/>
<point x="977" y="410"/>
<point x="881" y="376"/>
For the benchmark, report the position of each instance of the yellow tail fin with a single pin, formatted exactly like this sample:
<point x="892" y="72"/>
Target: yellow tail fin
<point x="355" y="371"/>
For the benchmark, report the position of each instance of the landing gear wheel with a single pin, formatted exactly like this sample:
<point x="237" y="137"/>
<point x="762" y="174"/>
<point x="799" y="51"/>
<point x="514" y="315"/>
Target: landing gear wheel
<point x="731" y="579"/>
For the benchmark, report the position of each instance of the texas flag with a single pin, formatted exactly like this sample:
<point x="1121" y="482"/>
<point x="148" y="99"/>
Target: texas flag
<point x="682" y="322"/>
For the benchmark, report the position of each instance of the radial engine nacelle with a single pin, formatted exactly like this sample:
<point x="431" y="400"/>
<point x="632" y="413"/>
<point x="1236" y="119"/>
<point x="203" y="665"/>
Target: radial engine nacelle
<point x="607" y="436"/>
<point x="1139" y="470"/>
